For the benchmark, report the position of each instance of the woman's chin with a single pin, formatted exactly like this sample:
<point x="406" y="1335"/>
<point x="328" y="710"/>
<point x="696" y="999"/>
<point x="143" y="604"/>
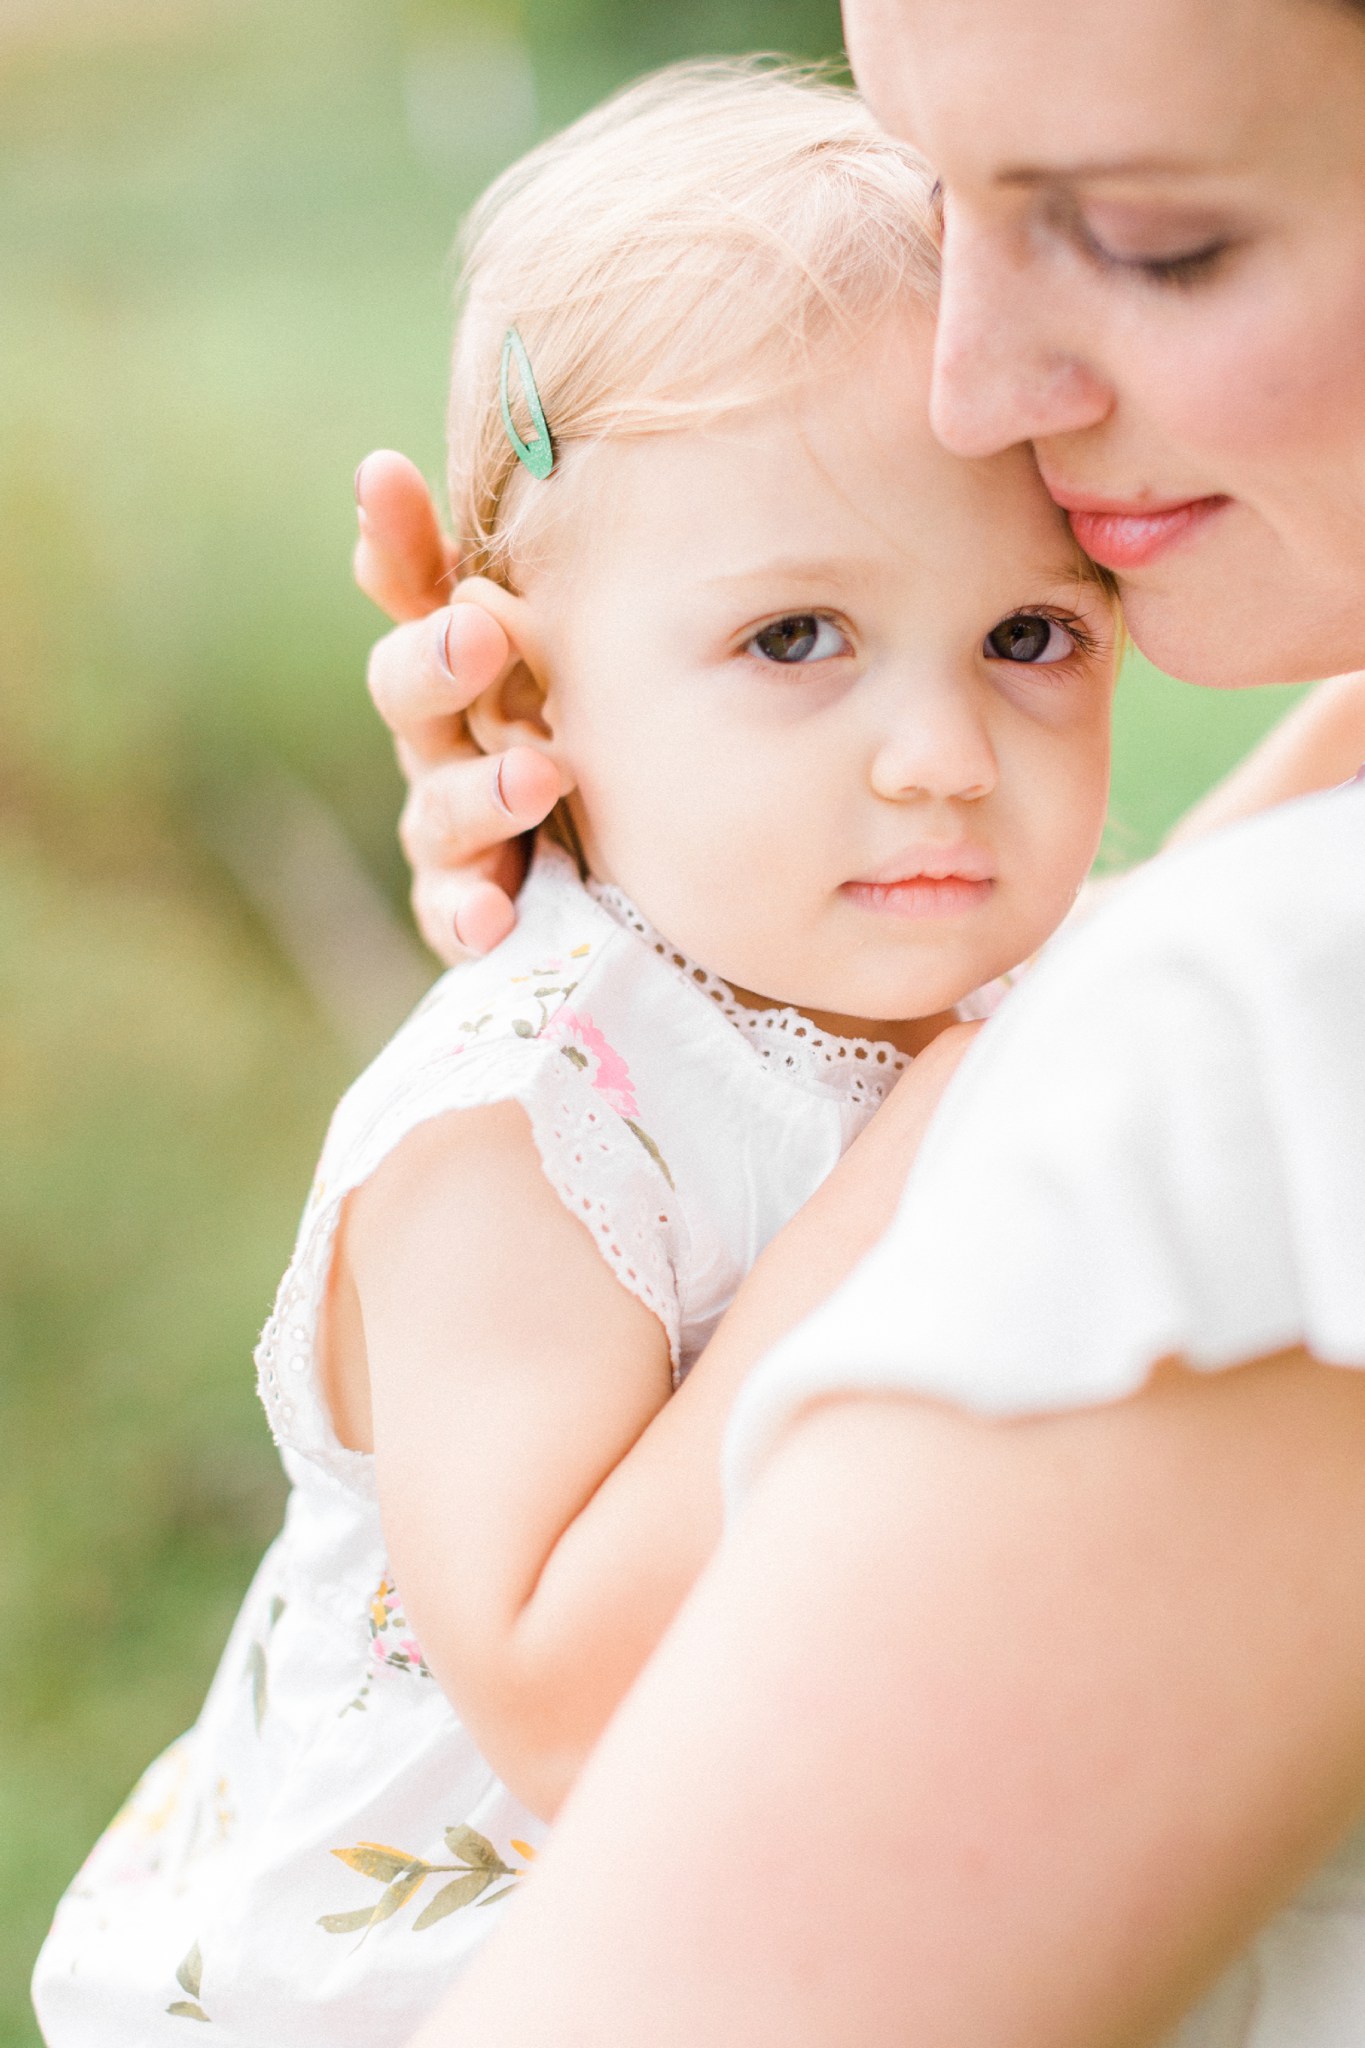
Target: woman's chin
<point x="1204" y="631"/>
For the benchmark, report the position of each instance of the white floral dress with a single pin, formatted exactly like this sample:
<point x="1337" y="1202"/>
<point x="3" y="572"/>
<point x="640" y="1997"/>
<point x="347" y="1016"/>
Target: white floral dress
<point x="314" y="1861"/>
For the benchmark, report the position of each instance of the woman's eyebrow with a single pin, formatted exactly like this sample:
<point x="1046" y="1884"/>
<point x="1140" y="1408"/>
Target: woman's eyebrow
<point x="1087" y="172"/>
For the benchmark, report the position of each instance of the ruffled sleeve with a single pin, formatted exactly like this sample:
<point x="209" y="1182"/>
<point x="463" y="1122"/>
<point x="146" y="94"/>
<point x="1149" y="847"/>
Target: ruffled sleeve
<point x="1158" y="1149"/>
<point x="513" y="1028"/>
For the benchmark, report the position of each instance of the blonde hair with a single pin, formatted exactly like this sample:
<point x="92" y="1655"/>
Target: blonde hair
<point x="681" y="252"/>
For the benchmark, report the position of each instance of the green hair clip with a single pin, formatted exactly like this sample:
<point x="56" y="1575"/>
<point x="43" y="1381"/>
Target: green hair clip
<point x="537" y="454"/>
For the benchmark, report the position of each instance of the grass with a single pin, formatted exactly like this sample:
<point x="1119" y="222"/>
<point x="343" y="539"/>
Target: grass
<point x="223" y="231"/>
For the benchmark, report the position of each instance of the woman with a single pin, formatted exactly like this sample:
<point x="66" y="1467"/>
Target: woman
<point x="1102" y="1770"/>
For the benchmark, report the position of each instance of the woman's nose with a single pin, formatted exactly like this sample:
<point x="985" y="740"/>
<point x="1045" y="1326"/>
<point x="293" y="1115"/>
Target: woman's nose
<point x="999" y="375"/>
<point x="937" y="746"/>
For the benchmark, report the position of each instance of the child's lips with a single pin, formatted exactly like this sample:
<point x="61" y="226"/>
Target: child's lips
<point x="920" y="895"/>
<point x="929" y="882"/>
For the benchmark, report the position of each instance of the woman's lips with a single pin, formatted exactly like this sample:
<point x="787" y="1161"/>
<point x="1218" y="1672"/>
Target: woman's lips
<point x="1120" y="536"/>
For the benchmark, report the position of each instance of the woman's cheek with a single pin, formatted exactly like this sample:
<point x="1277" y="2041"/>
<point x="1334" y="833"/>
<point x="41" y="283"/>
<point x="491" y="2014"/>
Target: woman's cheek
<point x="1258" y="380"/>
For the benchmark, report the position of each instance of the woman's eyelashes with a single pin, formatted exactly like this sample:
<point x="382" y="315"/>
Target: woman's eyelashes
<point x="1040" y="639"/>
<point x="1190" y="266"/>
<point x="1155" y="253"/>
<point x="798" y="640"/>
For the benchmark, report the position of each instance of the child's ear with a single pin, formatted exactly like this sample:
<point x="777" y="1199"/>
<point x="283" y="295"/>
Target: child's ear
<point x="512" y="712"/>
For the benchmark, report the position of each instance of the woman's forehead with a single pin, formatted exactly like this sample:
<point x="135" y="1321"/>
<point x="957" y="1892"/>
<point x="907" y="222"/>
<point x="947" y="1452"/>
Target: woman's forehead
<point x="1015" y="90"/>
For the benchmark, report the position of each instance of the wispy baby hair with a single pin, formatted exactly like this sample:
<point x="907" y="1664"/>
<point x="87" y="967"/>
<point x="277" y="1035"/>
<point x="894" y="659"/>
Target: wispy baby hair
<point x="682" y="251"/>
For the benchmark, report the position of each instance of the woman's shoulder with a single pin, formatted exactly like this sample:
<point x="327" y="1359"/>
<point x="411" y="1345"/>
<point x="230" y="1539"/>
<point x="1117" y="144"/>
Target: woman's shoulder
<point x="1254" y="907"/>
<point x="1157" y="1149"/>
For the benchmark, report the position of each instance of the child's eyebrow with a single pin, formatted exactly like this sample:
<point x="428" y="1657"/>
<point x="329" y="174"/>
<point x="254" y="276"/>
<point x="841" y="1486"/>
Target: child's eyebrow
<point x="852" y="571"/>
<point x="845" y="569"/>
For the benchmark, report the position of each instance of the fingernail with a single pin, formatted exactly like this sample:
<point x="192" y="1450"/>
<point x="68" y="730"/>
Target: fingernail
<point x="499" y="791"/>
<point x="443" y="624"/>
<point x="461" y="940"/>
<point x="359" y="472"/>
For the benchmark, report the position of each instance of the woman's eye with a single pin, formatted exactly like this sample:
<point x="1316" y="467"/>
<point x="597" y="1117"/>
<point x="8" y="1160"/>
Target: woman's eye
<point x="803" y="637"/>
<point x="1185" y="268"/>
<point x="1028" y="636"/>
<point x="1150" y="251"/>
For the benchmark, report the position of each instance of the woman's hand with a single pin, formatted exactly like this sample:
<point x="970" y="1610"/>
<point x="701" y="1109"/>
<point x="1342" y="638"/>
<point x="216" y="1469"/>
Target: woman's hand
<point x="466" y="811"/>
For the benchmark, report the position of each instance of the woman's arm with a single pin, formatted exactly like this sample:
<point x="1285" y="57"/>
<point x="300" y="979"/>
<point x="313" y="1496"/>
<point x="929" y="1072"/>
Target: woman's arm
<point x="973" y="1735"/>
<point x="547" y="1507"/>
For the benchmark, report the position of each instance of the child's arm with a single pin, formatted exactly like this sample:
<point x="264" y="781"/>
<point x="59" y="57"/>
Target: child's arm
<point x="546" y="1505"/>
<point x="1320" y="743"/>
<point x="509" y="1372"/>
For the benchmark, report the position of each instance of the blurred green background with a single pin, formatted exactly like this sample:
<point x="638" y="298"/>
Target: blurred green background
<point x="224" y="228"/>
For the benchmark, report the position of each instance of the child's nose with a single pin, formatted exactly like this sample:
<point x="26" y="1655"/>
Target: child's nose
<point x="938" y="746"/>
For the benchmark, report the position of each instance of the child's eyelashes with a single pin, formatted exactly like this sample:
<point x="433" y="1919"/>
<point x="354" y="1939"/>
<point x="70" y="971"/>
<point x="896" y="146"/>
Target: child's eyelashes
<point x="1034" y="638"/>
<point x="798" y="639"/>
<point x="1040" y="639"/>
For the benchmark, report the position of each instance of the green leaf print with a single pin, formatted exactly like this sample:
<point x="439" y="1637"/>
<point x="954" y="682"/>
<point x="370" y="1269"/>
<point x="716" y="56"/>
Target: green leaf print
<point x="478" y="1866"/>
<point x="655" y="1154"/>
<point x="255" y="1664"/>
<point x="461" y="1891"/>
<point x="189" y="1977"/>
<point x="476" y="1849"/>
<point x="347" y="1923"/>
<point x="372" y="1859"/>
<point x="401" y="1890"/>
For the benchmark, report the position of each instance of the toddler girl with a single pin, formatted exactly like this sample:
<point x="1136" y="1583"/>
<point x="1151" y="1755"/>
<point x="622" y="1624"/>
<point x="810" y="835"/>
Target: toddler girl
<point x="830" y="709"/>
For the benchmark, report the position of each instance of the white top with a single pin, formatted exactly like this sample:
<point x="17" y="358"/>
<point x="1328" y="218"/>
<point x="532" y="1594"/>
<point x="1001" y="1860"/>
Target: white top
<point x="1158" y="1147"/>
<point x="308" y="1867"/>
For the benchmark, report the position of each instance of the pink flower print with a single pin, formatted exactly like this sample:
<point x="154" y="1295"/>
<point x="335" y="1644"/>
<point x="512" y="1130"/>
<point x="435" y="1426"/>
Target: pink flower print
<point x="581" y="1042"/>
<point x="392" y="1645"/>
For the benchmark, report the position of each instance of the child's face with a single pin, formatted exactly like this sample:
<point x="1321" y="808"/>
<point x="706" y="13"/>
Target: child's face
<point x="779" y="676"/>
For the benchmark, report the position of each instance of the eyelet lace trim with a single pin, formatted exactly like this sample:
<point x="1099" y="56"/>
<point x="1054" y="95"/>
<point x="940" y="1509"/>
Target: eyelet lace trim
<point x="863" y="1069"/>
<point x="597" y="1169"/>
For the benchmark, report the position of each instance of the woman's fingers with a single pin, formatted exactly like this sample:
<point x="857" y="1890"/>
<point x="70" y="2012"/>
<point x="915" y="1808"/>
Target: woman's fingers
<point x="461" y="830"/>
<point x="423" y="674"/>
<point x="461" y="916"/>
<point x="403" y="561"/>
<point x="465" y="815"/>
<point x="459" y="813"/>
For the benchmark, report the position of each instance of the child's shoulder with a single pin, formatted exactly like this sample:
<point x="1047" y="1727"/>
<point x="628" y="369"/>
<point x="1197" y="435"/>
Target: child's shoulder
<point x="488" y="1018"/>
<point x="550" y="1021"/>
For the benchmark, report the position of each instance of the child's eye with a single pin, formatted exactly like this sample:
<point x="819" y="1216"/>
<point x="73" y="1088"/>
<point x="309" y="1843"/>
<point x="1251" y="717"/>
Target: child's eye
<point x="803" y="637"/>
<point x="1029" y="636"/>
